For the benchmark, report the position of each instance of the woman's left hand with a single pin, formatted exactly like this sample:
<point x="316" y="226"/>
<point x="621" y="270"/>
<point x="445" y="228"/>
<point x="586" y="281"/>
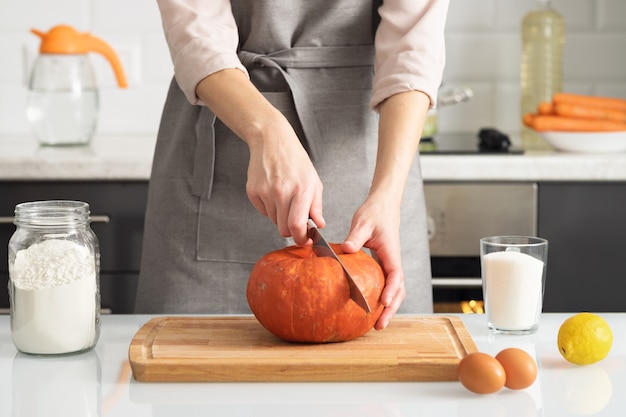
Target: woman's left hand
<point x="373" y="227"/>
<point x="376" y="224"/>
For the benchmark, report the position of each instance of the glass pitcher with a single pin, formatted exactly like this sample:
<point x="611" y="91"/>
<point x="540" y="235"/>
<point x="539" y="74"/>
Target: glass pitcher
<point x="63" y="99"/>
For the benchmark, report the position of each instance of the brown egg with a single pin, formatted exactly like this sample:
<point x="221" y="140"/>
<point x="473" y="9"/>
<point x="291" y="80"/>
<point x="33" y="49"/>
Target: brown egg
<point x="519" y="366"/>
<point x="481" y="373"/>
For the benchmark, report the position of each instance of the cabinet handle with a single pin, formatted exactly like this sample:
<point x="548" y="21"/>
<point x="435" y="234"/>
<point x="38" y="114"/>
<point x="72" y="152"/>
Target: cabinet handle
<point x="94" y="219"/>
<point x="453" y="282"/>
<point x="100" y="218"/>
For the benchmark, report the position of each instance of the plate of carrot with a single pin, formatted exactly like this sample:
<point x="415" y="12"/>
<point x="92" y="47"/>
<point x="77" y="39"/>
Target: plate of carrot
<point x="581" y="123"/>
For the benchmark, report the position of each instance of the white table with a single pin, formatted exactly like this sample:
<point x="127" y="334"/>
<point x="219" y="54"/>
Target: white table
<point x="98" y="383"/>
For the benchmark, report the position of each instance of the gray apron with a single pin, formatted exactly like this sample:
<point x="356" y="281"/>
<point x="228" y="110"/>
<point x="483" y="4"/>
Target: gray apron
<point x="202" y="235"/>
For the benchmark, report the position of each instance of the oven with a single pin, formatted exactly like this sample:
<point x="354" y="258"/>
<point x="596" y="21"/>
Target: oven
<point x="459" y="214"/>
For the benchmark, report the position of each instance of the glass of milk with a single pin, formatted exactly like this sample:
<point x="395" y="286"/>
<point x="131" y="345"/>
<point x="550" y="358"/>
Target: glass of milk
<point x="514" y="276"/>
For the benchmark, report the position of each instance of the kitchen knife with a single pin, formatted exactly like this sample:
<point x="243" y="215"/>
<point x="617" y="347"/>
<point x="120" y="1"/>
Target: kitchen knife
<point x="322" y="248"/>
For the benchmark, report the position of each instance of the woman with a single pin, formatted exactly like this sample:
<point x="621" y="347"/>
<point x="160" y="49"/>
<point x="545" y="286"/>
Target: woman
<point x="272" y="101"/>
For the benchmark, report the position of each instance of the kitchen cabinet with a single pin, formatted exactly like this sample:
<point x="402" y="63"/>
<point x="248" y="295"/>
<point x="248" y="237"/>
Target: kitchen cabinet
<point x="584" y="224"/>
<point x="459" y="215"/>
<point x="117" y="209"/>
<point x="582" y="221"/>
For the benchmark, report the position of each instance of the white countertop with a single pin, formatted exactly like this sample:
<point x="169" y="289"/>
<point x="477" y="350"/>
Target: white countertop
<point x="106" y="158"/>
<point x="531" y="166"/>
<point x="130" y="158"/>
<point x="99" y="383"/>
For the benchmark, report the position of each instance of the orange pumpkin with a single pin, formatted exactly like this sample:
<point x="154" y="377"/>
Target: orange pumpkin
<point x="301" y="297"/>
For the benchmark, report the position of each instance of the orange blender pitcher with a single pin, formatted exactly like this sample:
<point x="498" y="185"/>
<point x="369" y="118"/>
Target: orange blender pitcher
<point x="63" y="98"/>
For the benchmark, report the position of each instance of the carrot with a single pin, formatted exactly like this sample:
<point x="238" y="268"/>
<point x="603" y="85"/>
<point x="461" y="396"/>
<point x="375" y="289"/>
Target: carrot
<point x="544" y="123"/>
<point x="545" y="107"/>
<point x="590" y="101"/>
<point x="575" y="110"/>
<point x="528" y="119"/>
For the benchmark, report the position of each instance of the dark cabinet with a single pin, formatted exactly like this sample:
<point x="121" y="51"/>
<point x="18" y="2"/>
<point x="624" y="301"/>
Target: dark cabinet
<point x="118" y="210"/>
<point x="584" y="224"/>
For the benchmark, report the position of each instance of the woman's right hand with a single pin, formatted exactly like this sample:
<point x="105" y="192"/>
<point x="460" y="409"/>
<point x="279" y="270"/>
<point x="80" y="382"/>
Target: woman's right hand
<point x="282" y="181"/>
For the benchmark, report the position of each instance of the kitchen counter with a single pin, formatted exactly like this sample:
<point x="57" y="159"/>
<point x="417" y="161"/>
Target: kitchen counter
<point x="531" y="166"/>
<point x="130" y="158"/>
<point x="106" y="158"/>
<point x="99" y="383"/>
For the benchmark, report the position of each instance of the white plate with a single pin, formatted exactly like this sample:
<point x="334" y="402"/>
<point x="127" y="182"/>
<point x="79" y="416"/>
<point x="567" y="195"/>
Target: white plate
<point x="586" y="142"/>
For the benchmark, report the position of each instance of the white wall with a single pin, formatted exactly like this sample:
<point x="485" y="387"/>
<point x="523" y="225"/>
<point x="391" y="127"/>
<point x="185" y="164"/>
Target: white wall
<point x="484" y="43"/>
<point x="131" y="27"/>
<point x="482" y="39"/>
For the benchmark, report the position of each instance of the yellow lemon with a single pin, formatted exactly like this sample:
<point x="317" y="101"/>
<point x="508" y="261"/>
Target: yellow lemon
<point x="584" y="338"/>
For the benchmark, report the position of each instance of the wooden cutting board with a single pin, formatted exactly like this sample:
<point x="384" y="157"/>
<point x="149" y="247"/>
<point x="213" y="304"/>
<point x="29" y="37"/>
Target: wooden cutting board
<point x="238" y="348"/>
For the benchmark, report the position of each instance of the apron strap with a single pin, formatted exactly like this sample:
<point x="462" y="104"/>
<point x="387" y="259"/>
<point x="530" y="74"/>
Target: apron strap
<point x="315" y="57"/>
<point x="204" y="159"/>
<point x="299" y="57"/>
<point x="308" y="57"/>
<point x="312" y="134"/>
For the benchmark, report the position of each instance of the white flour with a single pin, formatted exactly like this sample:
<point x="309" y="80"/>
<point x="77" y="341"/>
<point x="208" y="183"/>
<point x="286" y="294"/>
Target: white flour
<point x="54" y="298"/>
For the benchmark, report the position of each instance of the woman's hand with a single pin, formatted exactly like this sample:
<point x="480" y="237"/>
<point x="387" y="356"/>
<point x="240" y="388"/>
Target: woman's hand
<point x="376" y="226"/>
<point x="282" y="182"/>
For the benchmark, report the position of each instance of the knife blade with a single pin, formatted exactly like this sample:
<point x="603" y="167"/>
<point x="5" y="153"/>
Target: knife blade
<point x="321" y="247"/>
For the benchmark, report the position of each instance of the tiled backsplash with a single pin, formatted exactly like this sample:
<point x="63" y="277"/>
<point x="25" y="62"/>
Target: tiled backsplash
<point x="483" y="52"/>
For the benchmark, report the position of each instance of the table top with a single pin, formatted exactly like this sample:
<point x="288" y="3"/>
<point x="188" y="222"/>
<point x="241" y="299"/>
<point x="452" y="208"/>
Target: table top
<point x="99" y="383"/>
<point x="129" y="158"/>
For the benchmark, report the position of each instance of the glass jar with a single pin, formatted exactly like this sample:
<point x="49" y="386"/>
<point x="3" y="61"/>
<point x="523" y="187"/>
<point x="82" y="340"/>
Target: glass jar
<point x="54" y="278"/>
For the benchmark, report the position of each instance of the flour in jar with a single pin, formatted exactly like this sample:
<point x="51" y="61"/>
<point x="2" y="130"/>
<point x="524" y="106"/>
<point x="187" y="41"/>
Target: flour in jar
<point x="54" y="297"/>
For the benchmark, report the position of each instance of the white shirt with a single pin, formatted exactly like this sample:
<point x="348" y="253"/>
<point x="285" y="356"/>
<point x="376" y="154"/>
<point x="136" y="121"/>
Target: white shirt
<point x="410" y="53"/>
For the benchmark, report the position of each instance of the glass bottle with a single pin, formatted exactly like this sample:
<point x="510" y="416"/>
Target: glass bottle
<point x="54" y="278"/>
<point x="63" y="95"/>
<point x="543" y="36"/>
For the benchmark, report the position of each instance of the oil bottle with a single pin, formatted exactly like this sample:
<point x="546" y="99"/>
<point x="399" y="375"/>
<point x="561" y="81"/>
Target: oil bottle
<point x="543" y="37"/>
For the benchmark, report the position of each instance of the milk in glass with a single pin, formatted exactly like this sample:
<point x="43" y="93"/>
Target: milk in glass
<point x="513" y="290"/>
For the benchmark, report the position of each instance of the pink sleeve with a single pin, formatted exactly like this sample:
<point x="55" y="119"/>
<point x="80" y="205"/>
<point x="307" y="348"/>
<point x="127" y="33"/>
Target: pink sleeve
<point x="410" y="48"/>
<point x="202" y="37"/>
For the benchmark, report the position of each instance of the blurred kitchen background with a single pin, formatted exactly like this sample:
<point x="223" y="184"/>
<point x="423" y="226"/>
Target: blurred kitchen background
<point x="483" y="50"/>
